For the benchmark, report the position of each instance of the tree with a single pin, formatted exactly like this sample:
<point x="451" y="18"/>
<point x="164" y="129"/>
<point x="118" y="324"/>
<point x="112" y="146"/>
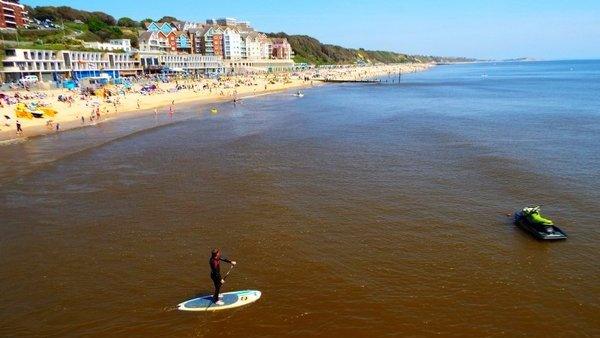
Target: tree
<point x="109" y="32"/>
<point x="168" y="19"/>
<point x="95" y="24"/>
<point x="143" y="22"/>
<point x="45" y="13"/>
<point x="107" y="19"/>
<point x="127" y="22"/>
<point x="67" y="13"/>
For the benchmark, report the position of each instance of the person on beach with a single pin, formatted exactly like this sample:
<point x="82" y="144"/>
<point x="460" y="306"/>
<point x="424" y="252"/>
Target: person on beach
<point x="215" y="272"/>
<point x="82" y="119"/>
<point x="138" y="103"/>
<point x="19" y="129"/>
<point x="155" y="113"/>
<point x="171" y="111"/>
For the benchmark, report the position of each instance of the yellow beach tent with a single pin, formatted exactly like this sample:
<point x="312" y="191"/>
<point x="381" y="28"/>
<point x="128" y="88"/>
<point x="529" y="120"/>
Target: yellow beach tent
<point x="21" y="111"/>
<point x="48" y="112"/>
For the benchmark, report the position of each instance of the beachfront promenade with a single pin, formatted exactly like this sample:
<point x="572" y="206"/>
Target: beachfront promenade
<point x="77" y="110"/>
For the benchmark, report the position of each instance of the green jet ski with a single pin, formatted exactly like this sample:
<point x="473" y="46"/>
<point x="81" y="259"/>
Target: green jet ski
<point x="530" y="220"/>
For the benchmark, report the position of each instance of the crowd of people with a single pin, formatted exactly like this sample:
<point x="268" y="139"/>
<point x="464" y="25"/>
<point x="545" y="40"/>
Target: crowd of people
<point x="92" y="103"/>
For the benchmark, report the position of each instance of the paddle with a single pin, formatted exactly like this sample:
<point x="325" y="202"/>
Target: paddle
<point x="227" y="274"/>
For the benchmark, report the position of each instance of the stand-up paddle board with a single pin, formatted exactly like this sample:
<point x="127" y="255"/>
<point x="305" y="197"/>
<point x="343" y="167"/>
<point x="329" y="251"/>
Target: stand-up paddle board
<point x="230" y="300"/>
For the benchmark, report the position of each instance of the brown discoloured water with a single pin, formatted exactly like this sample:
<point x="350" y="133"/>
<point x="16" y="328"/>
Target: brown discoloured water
<point x="357" y="211"/>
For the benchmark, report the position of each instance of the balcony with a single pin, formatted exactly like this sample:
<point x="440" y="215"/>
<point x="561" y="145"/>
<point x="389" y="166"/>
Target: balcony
<point x="14" y="58"/>
<point x="12" y="69"/>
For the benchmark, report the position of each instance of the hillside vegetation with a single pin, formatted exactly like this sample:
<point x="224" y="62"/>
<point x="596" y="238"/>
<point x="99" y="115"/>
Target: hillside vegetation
<point x="310" y="50"/>
<point x="77" y="26"/>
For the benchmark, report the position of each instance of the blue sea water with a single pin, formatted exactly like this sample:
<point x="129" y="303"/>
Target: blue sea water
<point x="358" y="210"/>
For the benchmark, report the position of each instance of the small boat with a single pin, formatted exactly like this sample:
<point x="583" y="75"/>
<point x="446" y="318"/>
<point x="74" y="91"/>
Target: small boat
<point x="530" y="220"/>
<point x="298" y="94"/>
<point x="214" y="110"/>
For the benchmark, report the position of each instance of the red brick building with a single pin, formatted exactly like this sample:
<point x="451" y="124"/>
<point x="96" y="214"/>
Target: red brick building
<point x="12" y="14"/>
<point x="281" y="49"/>
<point x="171" y="38"/>
<point x="218" y="44"/>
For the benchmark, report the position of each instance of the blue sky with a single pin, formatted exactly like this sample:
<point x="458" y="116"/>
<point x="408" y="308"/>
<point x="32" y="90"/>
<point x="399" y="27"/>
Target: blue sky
<point x="548" y="29"/>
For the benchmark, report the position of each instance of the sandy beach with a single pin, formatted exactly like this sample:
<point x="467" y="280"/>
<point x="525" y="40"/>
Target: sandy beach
<point x="76" y="110"/>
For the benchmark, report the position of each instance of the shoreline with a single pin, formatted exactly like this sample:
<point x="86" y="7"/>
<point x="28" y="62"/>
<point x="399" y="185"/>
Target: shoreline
<point x="132" y="104"/>
<point x="42" y="131"/>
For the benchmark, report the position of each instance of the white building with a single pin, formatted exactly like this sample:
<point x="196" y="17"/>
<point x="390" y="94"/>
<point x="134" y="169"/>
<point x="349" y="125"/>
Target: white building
<point x="258" y="66"/>
<point x="51" y="65"/>
<point x="222" y="21"/>
<point x="111" y="45"/>
<point x="232" y="44"/>
<point x="45" y="64"/>
<point x="153" y="42"/>
<point x="155" y="62"/>
<point x="123" y="44"/>
<point x="247" y="45"/>
<point x="256" y="46"/>
<point x="266" y="48"/>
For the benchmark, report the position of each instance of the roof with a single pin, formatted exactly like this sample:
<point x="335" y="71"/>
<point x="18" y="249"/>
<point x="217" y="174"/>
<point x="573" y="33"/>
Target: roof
<point x="251" y="35"/>
<point x="147" y="35"/>
<point x="206" y="28"/>
<point x="178" y="24"/>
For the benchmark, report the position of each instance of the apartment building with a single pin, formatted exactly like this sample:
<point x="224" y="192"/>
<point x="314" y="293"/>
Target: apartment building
<point x="209" y="41"/>
<point x="281" y="49"/>
<point x="51" y="65"/>
<point x="153" y="62"/>
<point x="153" y="42"/>
<point x="232" y="44"/>
<point x="257" y="66"/>
<point x="13" y="15"/>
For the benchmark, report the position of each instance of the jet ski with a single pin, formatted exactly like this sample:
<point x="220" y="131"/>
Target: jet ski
<point x="530" y="220"/>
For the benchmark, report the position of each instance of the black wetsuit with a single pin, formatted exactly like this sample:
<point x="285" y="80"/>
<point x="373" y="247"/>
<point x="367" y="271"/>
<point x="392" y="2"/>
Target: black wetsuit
<point x="215" y="274"/>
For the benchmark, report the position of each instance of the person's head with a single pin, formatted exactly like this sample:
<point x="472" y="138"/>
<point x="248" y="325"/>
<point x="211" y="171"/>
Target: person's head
<point x="216" y="253"/>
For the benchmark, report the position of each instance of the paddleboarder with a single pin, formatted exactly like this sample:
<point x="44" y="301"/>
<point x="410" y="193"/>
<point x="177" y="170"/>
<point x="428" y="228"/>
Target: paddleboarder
<point x="215" y="272"/>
